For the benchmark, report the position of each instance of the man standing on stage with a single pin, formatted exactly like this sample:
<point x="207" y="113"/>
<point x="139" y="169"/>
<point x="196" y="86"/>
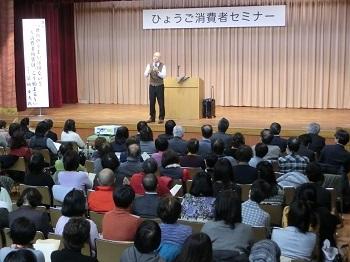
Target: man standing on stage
<point x="157" y="73"/>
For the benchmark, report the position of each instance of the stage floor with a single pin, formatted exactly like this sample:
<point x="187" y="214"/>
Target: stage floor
<point x="249" y="120"/>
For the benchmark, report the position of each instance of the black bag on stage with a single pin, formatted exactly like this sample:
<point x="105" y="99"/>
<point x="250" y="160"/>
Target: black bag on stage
<point x="208" y="106"/>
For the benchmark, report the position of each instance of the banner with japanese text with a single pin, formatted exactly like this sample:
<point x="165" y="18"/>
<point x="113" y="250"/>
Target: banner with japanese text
<point x="35" y="62"/>
<point x="211" y="17"/>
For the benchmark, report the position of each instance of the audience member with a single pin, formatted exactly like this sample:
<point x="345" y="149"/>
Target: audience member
<point x="99" y="143"/>
<point x="132" y="165"/>
<point x="111" y="161"/>
<point x="223" y="125"/>
<point x="198" y="204"/>
<point x="4" y="134"/>
<point x="40" y="141"/>
<point x="50" y="133"/>
<point x="22" y="233"/>
<point x="18" y="145"/>
<point x="119" y="144"/>
<point x="274" y="151"/>
<point x="317" y="141"/>
<point x="243" y="173"/>
<point x="210" y="161"/>
<point x="69" y="133"/>
<point x="38" y="176"/>
<point x="177" y="143"/>
<point x="305" y="141"/>
<point x="101" y="200"/>
<point x="277" y="140"/>
<point x="171" y="166"/>
<point x="27" y="203"/>
<point x="169" y="126"/>
<point x="64" y="147"/>
<point x="127" y="225"/>
<point x="197" y="248"/>
<point x="161" y="145"/>
<point x="292" y="179"/>
<point x="146" y="243"/>
<point x="265" y="250"/>
<point x="141" y="124"/>
<point x="293" y="162"/>
<point x="237" y="141"/>
<point x="105" y="149"/>
<point x="260" y="152"/>
<point x="192" y="159"/>
<point x="252" y="213"/>
<point x="173" y="233"/>
<point x="20" y="255"/>
<point x="74" y="205"/>
<point x="205" y="142"/>
<point x="218" y="148"/>
<point x="24" y="126"/>
<point x="146" y="205"/>
<point x="146" y="141"/>
<point x="76" y="233"/>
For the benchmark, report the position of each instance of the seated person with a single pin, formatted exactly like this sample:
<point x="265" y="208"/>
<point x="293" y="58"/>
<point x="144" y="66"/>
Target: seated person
<point x="150" y="167"/>
<point x="277" y="139"/>
<point x="22" y="233"/>
<point x="169" y="127"/>
<point x="61" y="152"/>
<point x="20" y="255"/>
<point x="177" y="143"/>
<point x="27" y="203"/>
<point x="40" y="141"/>
<point x="228" y="232"/>
<point x="74" y="205"/>
<point x="76" y="233"/>
<point x="197" y="248"/>
<point x="218" y="148"/>
<point x="50" y="133"/>
<point x="4" y="134"/>
<point x="5" y="198"/>
<point x="69" y="134"/>
<point x="146" y="243"/>
<point x="305" y="141"/>
<point x="24" y="126"/>
<point x="243" y="173"/>
<point x="127" y="225"/>
<point x="146" y="141"/>
<point x="237" y="140"/>
<point x="99" y="142"/>
<point x="205" y="142"/>
<point x="260" y="152"/>
<point x="103" y="150"/>
<point x="38" y="176"/>
<point x="101" y="200"/>
<point x="18" y="144"/>
<point x="199" y="203"/>
<point x="146" y="205"/>
<point x="192" y="159"/>
<point x="173" y="233"/>
<point x="161" y="145"/>
<point x="133" y="162"/>
<point x="292" y="179"/>
<point x="265" y="250"/>
<point x="274" y="151"/>
<point x="119" y="144"/>
<point x="252" y="213"/>
<point x="210" y="161"/>
<point x="223" y="125"/>
<point x="317" y="141"/>
<point x="107" y="160"/>
<point x="171" y="166"/>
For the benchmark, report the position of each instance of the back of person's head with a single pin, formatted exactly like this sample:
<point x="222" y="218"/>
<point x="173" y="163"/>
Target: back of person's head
<point x="237" y="140"/>
<point x="218" y="146"/>
<point x="265" y="172"/>
<point x="210" y="160"/>
<point x="305" y="139"/>
<point x="99" y="141"/>
<point x="64" y="147"/>
<point x="122" y="134"/>
<point x="18" y="140"/>
<point x="123" y="196"/>
<point x="293" y="144"/>
<point x="314" y="173"/>
<point x="228" y="208"/>
<point x="244" y="153"/>
<point x="41" y="128"/>
<point x="30" y="196"/>
<point x="193" y="145"/>
<point x="106" y="177"/>
<point x="106" y="148"/>
<point x="299" y="216"/>
<point x="24" y="122"/>
<point x="147" y="237"/>
<point x="306" y="193"/>
<point x="313" y="128"/>
<point x="150" y="182"/>
<point x="201" y="185"/>
<point x="146" y="134"/>
<point x="22" y="231"/>
<point x="13" y="128"/>
<point x="223" y="125"/>
<point x="266" y="136"/>
<point x="259" y="190"/>
<point x="134" y="150"/>
<point x="223" y="171"/>
<point x="197" y="248"/>
<point x="49" y="123"/>
<point x="170" y="157"/>
<point x="140" y="125"/>
<point x="265" y="250"/>
<point x="275" y="128"/>
<point x="207" y="131"/>
<point x="178" y="131"/>
<point x="74" y="204"/>
<point x="76" y="233"/>
<point x="261" y="150"/>
<point x="161" y="144"/>
<point x="69" y="125"/>
<point x="110" y="160"/>
<point x="150" y="166"/>
<point x="20" y="255"/>
<point x="169" y="126"/>
<point x="71" y="160"/>
<point x="342" y="136"/>
<point x="36" y="163"/>
<point x="169" y="210"/>
<point x="2" y="124"/>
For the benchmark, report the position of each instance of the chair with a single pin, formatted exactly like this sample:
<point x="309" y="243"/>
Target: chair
<point x="245" y="188"/>
<point x="55" y="214"/>
<point x="97" y="218"/>
<point x="289" y="193"/>
<point x="45" y="152"/>
<point x="275" y="212"/>
<point x="333" y="194"/>
<point x="4" y="151"/>
<point x="260" y="233"/>
<point x="90" y="166"/>
<point x="19" y="165"/>
<point x="44" y="191"/>
<point x="110" y="251"/>
<point x="196" y="226"/>
<point x="8" y="240"/>
<point x="86" y="250"/>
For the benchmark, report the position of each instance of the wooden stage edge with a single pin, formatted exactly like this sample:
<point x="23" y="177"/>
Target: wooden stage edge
<point x="247" y="120"/>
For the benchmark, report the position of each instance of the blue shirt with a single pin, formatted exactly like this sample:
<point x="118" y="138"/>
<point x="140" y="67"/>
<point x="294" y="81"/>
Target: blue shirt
<point x="253" y="215"/>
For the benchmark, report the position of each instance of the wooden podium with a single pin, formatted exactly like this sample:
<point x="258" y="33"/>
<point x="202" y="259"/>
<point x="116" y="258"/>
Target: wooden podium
<point x="183" y="100"/>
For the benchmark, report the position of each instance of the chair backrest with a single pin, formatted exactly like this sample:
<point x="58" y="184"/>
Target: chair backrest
<point x="90" y="166"/>
<point x="86" y="250"/>
<point x="275" y="212"/>
<point x="8" y="240"/>
<point x="110" y="251"/>
<point x="289" y="193"/>
<point x="45" y="152"/>
<point x="334" y="181"/>
<point x="245" y="189"/>
<point x="4" y="151"/>
<point x="55" y="214"/>
<point x="196" y="226"/>
<point x="260" y="233"/>
<point x="333" y="193"/>
<point x="43" y="190"/>
<point x="19" y="165"/>
<point x="97" y="218"/>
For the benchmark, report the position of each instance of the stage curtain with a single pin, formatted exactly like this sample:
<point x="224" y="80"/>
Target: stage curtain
<point x="303" y="65"/>
<point x="60" y="50"/>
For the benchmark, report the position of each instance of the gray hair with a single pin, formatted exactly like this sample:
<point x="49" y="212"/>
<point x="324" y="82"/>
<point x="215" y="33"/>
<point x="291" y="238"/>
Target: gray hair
<point x="106" y="177"/>
<point x="313" y="128"/>
<point x="178" y="131"/>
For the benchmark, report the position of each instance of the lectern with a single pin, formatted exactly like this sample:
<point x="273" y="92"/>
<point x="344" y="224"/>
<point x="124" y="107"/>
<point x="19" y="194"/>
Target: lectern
<point x="183" y="100"/>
